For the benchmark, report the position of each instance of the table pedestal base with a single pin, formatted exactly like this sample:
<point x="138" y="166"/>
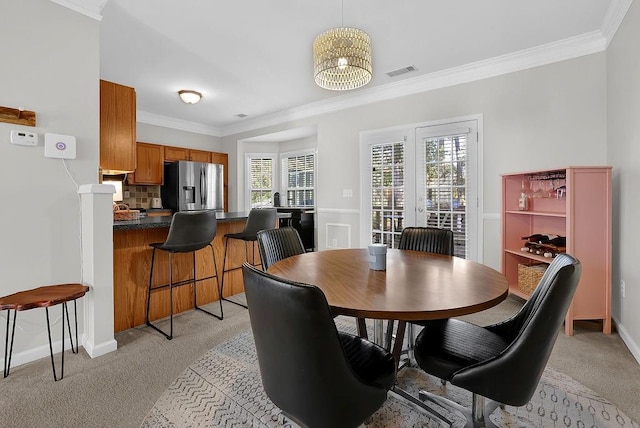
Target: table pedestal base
<point x="410" y="398"/>
<point x="476" y="417"/>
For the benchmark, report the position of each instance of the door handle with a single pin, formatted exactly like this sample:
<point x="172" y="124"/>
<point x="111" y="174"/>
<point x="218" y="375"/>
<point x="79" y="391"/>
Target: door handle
<point x="201" y="188"/>
<point x="205" y="186"/>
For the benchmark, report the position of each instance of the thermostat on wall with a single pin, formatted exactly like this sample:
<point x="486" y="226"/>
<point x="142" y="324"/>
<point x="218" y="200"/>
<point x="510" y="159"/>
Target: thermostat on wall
<point x="24" y="138"/>
<point x="59" y="146"/>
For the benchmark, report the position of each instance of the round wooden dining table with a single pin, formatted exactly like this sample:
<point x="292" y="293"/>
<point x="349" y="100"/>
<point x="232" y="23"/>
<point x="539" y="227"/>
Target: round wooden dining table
<point x="415" y="285"/>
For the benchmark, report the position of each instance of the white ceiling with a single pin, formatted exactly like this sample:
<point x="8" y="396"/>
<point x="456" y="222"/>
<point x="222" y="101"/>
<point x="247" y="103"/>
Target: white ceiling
<point x="254" y="56"/>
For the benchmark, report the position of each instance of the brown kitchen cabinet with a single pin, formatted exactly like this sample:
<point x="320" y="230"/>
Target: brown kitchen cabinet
<point x="149" y="164"/>
<point x="174" y="154"/>
<point x="199" y="156"/>
<point x="117" y="128"/>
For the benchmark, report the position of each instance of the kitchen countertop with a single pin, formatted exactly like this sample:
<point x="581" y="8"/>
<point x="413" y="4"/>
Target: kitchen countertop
<point x="165" y="221"/>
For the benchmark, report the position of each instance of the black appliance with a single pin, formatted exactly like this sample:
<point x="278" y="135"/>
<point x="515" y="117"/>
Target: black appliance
<point x="302" y="220"/>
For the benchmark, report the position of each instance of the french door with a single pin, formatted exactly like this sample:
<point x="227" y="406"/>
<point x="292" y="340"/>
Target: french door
<point x="423" y="176"/>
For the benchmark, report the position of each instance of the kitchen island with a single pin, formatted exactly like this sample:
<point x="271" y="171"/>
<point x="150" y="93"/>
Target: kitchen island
<point x="132" y="261"/>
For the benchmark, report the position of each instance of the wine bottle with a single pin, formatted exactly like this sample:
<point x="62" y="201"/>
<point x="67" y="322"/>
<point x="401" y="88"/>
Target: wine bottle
<point x="523" y="201"/>
<point x="558" y="241"/>
<point x="541" y="238"/>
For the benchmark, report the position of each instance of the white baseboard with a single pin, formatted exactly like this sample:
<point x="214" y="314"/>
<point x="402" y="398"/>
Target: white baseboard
<point x="34" y="354"/>
<point x="626" y="338"/>
<point x="100" y="349"/>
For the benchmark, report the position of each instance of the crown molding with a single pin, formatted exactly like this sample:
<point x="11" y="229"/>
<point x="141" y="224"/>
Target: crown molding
<point x="615" y="14"/>
<point x="573" y="47"/>
<point x="182" y="125"/>
<point x="90" y="8"/>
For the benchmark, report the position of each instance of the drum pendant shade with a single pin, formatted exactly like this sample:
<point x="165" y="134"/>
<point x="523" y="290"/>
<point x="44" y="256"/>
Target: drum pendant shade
<point x="342" y="59"/>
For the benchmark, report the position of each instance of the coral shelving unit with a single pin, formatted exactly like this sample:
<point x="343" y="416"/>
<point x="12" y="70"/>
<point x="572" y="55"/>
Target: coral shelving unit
<point x="582" y="213"/>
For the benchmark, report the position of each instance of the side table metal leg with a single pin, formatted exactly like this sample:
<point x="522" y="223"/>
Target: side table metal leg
<point x="7" y="347"/>
<point x="53" y="366"/>
<point x="66" y="312"/>
<point x="6" y="343"/>
<point x="75" y="310"/>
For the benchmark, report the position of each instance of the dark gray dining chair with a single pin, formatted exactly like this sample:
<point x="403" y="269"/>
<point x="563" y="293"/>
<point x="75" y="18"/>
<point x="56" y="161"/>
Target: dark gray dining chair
<point x="504" y="361"/>
<point x="277" y="244"/>
<point x="429" y="240"/>
<point x="258" y="219"/>
<point x="189" y="232"/>
<point x="318" y="376"/>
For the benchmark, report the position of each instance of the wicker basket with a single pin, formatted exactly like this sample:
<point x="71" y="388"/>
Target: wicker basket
<point x="529" y="276"/>
<point x="122" y="212"/>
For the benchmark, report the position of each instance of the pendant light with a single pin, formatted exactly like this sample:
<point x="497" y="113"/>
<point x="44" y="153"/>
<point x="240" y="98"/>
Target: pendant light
<point x="342" y="58"/>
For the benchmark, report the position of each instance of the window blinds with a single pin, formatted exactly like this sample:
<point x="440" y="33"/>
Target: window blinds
<point x="261" y="181"/>
<point x="300" y="179"/>
<point x="387" y="192"/>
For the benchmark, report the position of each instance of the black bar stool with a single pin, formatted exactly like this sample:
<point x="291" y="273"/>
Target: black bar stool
<point x="189" y="231"/>
<point x="258" y="219"/>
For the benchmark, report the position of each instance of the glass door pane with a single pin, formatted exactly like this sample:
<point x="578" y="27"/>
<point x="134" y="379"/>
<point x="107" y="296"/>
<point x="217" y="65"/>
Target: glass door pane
<point x="387" y="192"/>
<point x="444" y="198"/>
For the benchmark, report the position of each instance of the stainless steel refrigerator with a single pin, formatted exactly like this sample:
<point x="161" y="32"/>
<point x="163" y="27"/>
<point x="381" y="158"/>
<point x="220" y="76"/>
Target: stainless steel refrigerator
<point x="190" y="186"/>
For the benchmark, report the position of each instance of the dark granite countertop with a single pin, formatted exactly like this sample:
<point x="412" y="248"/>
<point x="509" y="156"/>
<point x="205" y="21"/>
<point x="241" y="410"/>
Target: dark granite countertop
<point x="165" y="221"/>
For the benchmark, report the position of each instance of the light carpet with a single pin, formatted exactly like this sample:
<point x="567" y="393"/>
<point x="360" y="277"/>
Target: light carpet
<point x="223" y="389"/>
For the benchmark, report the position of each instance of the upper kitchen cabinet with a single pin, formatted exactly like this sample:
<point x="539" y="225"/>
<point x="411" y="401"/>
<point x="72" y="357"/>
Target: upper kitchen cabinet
<point x="199" y="156"/>
<point x="174" y="154"/>
<point x="149" y="162"/>
<point x="117" y="128"/>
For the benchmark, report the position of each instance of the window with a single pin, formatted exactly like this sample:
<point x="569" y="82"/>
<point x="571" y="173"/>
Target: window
<point x="387" y="192"/>
<point x="260" y="179"/>
<point x="298" y="179"/>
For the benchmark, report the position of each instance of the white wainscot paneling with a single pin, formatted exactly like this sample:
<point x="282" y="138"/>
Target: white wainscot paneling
<point x="338" y="227"/>
<point x="338" y="235"/>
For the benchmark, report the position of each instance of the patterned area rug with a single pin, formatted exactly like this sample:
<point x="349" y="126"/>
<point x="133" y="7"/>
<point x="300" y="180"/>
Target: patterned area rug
<point x="223" y="389"/>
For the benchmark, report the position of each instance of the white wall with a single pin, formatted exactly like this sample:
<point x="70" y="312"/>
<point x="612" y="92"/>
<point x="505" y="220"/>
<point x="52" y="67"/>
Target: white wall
<point x="50" y="64"/>
<point x="551" y="116"/>
<point x="173" y="137"/>
<point x="623" y="86"/>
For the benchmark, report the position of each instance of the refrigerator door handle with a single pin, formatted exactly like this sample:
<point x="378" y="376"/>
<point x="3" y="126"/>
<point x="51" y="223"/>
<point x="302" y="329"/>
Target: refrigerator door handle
<point x="202" y="187"/>
<point x="205" y="193"/>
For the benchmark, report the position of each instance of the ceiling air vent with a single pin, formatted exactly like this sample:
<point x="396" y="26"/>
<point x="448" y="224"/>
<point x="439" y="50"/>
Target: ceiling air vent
<point x="400" y="71"/>
<point x="241" y="115"/>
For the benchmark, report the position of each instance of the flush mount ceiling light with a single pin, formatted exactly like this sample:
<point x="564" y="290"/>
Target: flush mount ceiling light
<point x="342" y="58"/>
<point x="189" y="97"/>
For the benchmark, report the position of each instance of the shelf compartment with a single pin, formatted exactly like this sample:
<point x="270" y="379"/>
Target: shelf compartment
<point x="529" y="256"/>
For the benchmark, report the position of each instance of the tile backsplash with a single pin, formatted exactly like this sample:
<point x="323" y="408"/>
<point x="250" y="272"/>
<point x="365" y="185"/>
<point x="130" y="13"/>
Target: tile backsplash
<point x="140" y="196"/>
